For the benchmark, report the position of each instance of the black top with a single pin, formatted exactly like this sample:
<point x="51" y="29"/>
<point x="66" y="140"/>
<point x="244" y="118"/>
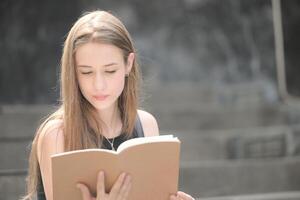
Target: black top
<point x="137" y="132"/>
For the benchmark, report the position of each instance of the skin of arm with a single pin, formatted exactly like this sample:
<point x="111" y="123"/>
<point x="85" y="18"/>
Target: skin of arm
<point x="51" y="141"/>
<point x="149" y="123"/>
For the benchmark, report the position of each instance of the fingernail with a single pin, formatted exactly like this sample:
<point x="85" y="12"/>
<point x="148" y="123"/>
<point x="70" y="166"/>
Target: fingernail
<point x="78" y="186"/>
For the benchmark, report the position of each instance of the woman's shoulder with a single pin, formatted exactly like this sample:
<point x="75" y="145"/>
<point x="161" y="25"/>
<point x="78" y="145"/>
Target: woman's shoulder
<point x="51" y="127"/>
<point x="149" y="123"/>
<point x="50" y="137"/>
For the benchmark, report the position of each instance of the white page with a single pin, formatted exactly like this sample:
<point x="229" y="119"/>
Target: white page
<point x="144" y="140"/>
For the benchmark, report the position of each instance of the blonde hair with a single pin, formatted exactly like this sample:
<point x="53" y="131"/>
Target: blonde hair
<point x="77" y="114"/>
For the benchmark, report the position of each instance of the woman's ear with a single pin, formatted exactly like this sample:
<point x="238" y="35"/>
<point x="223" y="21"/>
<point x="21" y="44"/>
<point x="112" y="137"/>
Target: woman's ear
<point x="130" y="61"/>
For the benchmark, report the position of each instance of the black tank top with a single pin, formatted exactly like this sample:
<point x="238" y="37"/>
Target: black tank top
<point x="137" y="132"/>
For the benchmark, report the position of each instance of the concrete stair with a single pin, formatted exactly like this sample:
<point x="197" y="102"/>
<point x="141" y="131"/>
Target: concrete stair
<point x="232" y="143"/>
<point x="241" y="143"/>
<point x="291" y="195"/>
<point x="18" y="128"/>
<point x="193" y="107"/>
<point x="12" y="185"/>
<point x="18" y="125"/>
<point x="207" y="178"/>
<point x="237" y="177"/>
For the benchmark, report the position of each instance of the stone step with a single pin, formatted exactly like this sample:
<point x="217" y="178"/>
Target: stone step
<point x="217" y="95"/>
<point x="210" y="178"/>
<point x="288" y="195"/>
<point x="14" y="154"/>
<point x="255" y="142"/>
<point x="12" y="187"/>
<point x="197" y="145"/>
<point x="182" y="118"/>
<point x="223" y="178"/>
<point x="218" y="107"/>
<point x="19" y="125"/>
<point x="23" y="122"/>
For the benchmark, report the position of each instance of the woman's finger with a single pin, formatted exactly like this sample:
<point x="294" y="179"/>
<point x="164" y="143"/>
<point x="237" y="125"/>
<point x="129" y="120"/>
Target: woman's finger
<point x="85" y="192"/>
<point x="100" y="186"/>
<point x="184" y="195"/>
<point x="126" y="194"/>
<point x="116" y="187"/>
<point x="173" y="197"/>
<point x="125" y="188"/>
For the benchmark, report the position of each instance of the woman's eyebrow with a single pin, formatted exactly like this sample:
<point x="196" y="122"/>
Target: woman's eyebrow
<point x="106" y="65"/>
<point x="110" y="64"/>
<point x="84" y="66"/>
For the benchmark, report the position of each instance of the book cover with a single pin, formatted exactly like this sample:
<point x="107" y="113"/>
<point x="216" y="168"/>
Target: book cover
<point x="152" y="162"/>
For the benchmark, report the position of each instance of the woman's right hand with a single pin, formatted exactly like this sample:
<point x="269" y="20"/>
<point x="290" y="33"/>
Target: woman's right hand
<point x="119" y="191"/>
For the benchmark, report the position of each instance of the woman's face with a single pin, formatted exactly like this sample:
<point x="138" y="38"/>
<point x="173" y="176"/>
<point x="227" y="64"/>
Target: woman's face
<point x="101" y="71"/>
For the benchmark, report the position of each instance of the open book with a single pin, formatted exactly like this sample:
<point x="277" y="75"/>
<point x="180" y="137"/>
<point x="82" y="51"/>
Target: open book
<point x="152" y="162"/>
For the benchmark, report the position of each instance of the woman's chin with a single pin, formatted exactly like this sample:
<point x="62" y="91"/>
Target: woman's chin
<point x="102" y="105"/>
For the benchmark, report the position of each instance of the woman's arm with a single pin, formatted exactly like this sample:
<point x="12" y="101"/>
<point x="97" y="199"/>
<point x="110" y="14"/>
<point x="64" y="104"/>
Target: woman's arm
<point x="50" y="141"/>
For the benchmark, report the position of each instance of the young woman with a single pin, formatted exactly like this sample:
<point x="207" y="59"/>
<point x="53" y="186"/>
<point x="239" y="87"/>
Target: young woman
<point x="99" y="96"/>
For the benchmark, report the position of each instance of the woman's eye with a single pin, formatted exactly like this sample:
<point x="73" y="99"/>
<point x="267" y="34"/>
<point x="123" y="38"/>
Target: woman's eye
<point x="86" y="72"/>
<point x="111" y="72"/>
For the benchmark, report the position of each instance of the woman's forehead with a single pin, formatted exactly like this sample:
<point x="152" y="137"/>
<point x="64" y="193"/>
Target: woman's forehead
<point x="95" y="54"/>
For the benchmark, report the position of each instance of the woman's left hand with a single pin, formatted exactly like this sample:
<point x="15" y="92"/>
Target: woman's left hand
<point x="181" y="196"/>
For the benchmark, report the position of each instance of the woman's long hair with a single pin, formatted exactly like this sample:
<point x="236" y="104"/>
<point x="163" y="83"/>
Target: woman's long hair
<point x="81" y="125"/>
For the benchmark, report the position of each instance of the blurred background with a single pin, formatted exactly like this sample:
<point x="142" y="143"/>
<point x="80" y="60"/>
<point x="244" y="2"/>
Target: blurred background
<point x="222" y="75"/>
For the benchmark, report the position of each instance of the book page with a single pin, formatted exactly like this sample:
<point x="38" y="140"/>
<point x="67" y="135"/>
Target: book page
<point x="144" y="140"/>
<point x="83" y="151"/>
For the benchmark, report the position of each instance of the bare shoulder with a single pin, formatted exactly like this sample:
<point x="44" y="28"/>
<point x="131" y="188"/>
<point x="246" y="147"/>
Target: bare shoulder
<point x="51" y="139"/>
<point x="149" y="123"/>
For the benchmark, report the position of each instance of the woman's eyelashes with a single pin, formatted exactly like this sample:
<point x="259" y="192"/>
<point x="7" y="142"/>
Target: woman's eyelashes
<point x="108" y="71"/>
<point x="86" y="72"/>
<point x="111" y="72"/>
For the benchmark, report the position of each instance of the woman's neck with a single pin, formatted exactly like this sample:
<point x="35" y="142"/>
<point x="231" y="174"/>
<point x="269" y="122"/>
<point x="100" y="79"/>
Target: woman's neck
<point x="112" y="121"/>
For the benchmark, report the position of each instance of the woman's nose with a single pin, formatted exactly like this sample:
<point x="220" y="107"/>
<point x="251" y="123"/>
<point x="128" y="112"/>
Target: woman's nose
<point x="99" y="82"/>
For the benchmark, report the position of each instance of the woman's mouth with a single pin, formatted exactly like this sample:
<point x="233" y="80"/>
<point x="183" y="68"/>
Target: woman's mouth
<point x="100" y="97"/>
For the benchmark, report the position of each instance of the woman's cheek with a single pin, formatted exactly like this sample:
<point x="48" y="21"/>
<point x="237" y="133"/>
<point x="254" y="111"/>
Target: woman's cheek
<point x="120" y="85"/>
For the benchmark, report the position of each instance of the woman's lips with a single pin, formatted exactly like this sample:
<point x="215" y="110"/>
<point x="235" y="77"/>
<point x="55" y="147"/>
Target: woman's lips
<point x="100" y="97"/>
